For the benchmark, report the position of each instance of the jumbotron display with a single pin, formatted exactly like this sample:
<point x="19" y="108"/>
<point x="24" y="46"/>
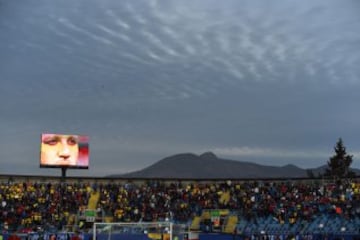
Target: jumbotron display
<point x="64" y="151"/>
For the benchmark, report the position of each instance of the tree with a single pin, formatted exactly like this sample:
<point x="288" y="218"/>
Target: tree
<point x="339" y="163"/>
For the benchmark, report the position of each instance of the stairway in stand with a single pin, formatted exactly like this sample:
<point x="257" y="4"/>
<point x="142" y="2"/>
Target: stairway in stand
<point x="93" y="201"/>
<point x="230" y="224"/>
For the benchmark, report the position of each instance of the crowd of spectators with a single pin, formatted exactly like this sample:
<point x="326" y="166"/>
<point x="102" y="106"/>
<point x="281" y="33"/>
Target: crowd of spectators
<point x="30" y="204"/>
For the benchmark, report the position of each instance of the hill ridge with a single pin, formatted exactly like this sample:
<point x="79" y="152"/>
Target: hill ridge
<point x="208" y="166"/>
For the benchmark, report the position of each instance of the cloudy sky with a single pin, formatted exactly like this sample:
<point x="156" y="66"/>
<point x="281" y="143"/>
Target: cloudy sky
<point x="273" y="82"/>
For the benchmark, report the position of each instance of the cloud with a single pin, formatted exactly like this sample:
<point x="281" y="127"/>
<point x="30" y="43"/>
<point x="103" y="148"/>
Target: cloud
<point x="234" y="73"/>
<point x="117" y="20"/>
<point x="113" y="33"/>
<point x="67" y="23"/>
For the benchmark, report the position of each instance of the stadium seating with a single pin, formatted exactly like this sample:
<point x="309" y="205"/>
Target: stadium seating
<point x="249" y="207"/>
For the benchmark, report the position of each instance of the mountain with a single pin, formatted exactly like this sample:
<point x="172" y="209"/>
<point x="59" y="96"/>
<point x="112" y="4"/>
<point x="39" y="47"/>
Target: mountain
<point x="209" y="166"/>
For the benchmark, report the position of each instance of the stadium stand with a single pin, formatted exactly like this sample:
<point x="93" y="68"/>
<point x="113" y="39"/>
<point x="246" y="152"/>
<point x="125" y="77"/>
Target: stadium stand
<point x="241" y="207"/>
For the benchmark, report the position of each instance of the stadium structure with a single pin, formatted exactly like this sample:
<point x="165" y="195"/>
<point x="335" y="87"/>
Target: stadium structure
<point x="34" y="206"/>
<point x="86" y="208"/>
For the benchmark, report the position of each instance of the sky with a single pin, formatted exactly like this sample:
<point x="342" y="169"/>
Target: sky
<point x="271" y="82"/>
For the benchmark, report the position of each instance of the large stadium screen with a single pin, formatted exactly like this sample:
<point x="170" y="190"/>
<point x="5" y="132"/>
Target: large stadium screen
<point x="61" y="150"/>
